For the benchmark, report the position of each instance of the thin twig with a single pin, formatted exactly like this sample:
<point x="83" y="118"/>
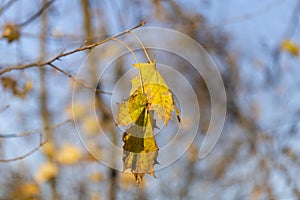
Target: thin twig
<point x="25" y="155"/>
<point x="4" y="108"/>
<point x="37" y="14"/>
<point x="40" y="64"/>
<point x="78" y="81"/>
<point x="30" y="133"/>
<point x="35" y="131"/>
<point x="7" y="5"/>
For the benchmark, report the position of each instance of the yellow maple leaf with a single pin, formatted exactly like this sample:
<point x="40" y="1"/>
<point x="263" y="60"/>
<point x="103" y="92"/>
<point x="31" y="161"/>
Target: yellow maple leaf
<point x="156" y="90"/>
<point x="160" y="100"/>
<point x="291" y="47"/>
<point x="68" y="154"/>
<point x="149" y="94"/>
<point x="148" y="74"/>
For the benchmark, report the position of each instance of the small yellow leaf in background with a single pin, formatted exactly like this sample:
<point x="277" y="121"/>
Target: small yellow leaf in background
<point x="29" y="189"/>
<point x="11" y="32"/>
<point x="68" y="154"/>
<point x="290" y="47"/>
<point x="12" y="84"/>
<point x="256" y="192"/>
<point x="28" y="86"/>
<point x="95" y="196"/>
<point x="45" y="172"/>
<point x="76" y="110"/>
<point x="90" y="125"/>
<point x="97" y="150"/>
<point x="193" y="153"/>
<point x="96" y="177"/>
<point x="49" y="149"/>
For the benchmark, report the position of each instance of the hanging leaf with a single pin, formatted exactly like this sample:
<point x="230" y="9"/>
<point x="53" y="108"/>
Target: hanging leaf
<point x="149" y="94"/>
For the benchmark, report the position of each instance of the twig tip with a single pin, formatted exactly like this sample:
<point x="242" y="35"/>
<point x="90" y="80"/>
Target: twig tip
<point x="143" y="22"/>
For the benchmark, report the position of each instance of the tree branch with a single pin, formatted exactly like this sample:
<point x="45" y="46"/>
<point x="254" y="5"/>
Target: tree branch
<point x="25" y="155"/>
<point x="7" y="5"/>
<point x="27" y="133"/>
<point x="78" y="81"/>
<point x="41" y="64"/>
<point x="31" y="132"/>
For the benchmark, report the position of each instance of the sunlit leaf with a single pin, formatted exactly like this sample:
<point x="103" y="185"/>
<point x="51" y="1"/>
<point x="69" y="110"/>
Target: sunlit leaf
<point x="149" y="94"/>
<point x="156" y="90"/>
<point x="148" y="74"/>
<point x="130" y="110"/>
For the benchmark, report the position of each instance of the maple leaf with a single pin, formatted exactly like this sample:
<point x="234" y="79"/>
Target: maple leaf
<point x="156" y="90"/>
<point x="149" y="94"/>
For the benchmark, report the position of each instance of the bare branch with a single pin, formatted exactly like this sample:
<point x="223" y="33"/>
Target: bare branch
<point x="78" y="81"/>
<point x="91" y="46"/>
<point x="27" y="133"/>
<point x="7" y="5"/>
<point x="4" y="108"/>
<point x="25" y="155"/>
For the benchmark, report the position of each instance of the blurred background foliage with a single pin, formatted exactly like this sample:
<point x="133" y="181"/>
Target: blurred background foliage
<point x="254" y="44"/>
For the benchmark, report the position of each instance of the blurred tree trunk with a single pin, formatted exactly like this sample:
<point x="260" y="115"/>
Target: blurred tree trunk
<point x="44" y="110"/>
<point x="106" y="117"/>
